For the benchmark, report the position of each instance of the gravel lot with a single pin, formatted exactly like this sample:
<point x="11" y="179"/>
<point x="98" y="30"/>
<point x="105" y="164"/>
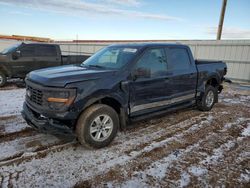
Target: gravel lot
<point x="185" y="148"/>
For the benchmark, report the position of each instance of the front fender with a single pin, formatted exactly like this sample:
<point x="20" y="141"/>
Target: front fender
<point x="120" y="97"/>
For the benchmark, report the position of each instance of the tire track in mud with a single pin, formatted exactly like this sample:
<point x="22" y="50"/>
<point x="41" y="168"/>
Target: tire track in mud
<point x="26" y="132"/>
<point x="236" y="159"/>
<point x="24" y="146"/>
<point x="134" y="139"/>
<point x="142" y="161"/>
<point x="179" y="126"/>
<point x="216" y="141"/>
<point x="196" y="165"/>
<point x="13" y="127"/>
<point x="169" y="131"/>
<point x="164" y="145"/>
<point x="38" y="153"/>
<point x="140" y="139"/>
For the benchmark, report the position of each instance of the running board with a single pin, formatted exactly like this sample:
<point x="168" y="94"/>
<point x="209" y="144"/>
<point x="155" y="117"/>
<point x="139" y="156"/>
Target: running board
<point x="161" y="112"/>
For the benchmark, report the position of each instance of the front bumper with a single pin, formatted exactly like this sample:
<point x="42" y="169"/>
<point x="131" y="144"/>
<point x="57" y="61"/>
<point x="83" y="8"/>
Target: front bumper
<point x="43" y="124"/>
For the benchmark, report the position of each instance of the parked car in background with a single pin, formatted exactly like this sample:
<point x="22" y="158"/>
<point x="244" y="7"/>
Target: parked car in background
<point x="18" y="60"/>
<point x="118" y="85"/>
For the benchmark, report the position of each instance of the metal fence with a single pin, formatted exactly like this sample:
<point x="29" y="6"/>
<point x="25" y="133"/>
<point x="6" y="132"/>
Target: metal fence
<point x="236" y="53"/>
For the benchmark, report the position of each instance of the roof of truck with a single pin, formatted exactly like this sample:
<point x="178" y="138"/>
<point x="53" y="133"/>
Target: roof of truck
<point x="38" y="43"/>
<point x="141" y="45"/>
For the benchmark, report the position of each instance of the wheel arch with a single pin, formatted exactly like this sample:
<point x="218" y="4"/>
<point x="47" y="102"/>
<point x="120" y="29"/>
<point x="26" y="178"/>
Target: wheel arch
<point x="112" y="101"/>
<point x="212" y="80"/>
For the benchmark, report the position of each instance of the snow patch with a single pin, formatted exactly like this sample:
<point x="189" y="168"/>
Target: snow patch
<point x="228" y="125"/>
<point x="245" y="178"/>
<point x="11" y="102"/>
<point x="218" y="153"/>
<point x="246" y="131"/>
<point x="159" y="168"/>
<point x="185" y="179"/>
<point x="197" y="171"/>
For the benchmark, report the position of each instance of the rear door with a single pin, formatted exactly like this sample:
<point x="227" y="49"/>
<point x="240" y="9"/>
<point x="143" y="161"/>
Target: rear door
<point x="148" y="88"/>
<point x="47" y="56"/>
<point x="182" y="82"/>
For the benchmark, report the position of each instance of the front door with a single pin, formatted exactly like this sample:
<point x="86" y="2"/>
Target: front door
<point x="25" y="63"/>
<point x="148" y="88"/>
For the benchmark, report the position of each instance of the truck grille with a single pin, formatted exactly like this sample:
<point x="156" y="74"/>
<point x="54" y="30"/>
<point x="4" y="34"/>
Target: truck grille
<point x="34" y="95"/>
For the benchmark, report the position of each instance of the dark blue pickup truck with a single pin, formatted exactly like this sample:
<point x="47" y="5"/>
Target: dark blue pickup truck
<point x="118" y="85"/>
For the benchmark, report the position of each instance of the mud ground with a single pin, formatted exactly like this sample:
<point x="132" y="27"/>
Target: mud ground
<point x="187" y="148"/>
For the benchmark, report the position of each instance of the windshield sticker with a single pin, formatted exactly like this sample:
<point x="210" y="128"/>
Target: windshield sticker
<point x="130" y="50"/>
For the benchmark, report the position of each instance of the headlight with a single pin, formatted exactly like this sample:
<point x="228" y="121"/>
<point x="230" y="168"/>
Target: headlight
<point x="58" y="100"/>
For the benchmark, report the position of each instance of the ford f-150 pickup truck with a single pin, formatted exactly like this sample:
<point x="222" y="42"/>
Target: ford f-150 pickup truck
<point x="116" y="86"/>
<point x="18" y="60"/>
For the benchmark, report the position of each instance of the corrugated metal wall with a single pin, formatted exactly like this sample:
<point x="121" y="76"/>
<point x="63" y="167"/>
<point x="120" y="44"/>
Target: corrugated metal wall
<point x="236" y="53"/>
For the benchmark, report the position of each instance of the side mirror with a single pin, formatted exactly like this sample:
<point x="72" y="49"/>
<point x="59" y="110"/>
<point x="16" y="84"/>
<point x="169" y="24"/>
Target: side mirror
<point x="16" y="55"/>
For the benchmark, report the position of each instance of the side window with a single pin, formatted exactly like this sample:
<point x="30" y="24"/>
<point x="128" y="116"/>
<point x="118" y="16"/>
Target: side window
<point x="46" y="50"/>
<point x="178" y="59"/>
<point x="152" y="64"/>
<point x="28" y="51"/>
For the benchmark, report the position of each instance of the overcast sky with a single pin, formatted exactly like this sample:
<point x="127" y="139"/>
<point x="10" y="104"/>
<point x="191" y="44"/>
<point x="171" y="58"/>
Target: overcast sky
<point x="124" y="19"/>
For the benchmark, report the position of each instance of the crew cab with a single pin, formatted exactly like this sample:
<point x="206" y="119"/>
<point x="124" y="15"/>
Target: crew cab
<point x="19" y="59"/>
<point x="116" y="86"/>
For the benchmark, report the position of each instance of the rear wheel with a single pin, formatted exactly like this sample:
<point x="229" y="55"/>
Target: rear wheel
<point x="207" y="101"/>
<point x="97" y="126"/>
<point x="3" y="79"/>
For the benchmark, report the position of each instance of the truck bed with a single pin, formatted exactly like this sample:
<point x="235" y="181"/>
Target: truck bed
<point x="206" y="68"/>
<point x="200" y="62"/>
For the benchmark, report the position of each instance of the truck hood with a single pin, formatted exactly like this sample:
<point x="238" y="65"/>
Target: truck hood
<point x="63" y="75"/>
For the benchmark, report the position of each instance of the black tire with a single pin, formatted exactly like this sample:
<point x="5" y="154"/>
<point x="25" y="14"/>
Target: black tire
<point x="202" y="103"/>
<point x="87" y="120"/>
<point x="3" y="79"/>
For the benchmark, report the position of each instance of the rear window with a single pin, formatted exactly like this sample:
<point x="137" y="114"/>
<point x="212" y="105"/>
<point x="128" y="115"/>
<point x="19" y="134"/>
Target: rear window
<point x="178" y="59"/>
<point x="46" y="50"/>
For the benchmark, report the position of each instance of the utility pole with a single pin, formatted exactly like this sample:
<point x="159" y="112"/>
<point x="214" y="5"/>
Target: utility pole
<point x="222" y="14"/>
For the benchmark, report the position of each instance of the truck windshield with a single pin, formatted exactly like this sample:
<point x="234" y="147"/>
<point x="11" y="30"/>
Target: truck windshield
<point x="10" y="49"/>
<point x="111" y="57"/>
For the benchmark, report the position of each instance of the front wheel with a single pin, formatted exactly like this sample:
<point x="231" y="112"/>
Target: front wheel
<point x="3" y="79"/>
<point x="208" y="100"/>
<point x="97" y="126"/>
